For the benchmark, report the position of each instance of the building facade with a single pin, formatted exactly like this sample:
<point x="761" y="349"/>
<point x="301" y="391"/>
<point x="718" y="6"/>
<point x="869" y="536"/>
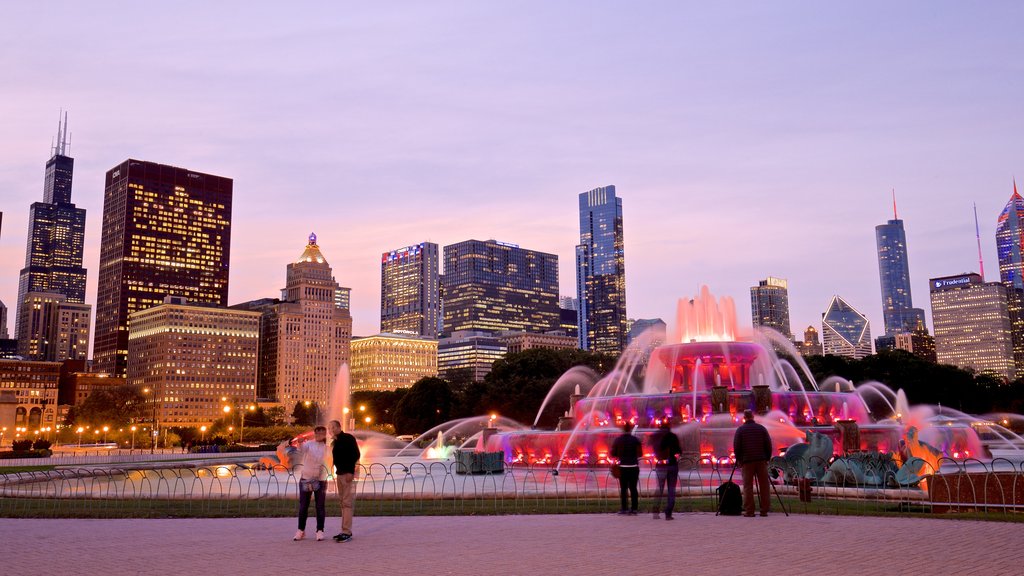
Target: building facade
<point x="304" y="337"/>
<point x="34" y="386"/>
<point x="494" y="287"/>
<point x="468" y="354"/>
<point x="166" y="232"/>
<point x="410" y="290"/>
<point x="898" y="310"/>
<point x="919" y="343"/>
<point x="1009" y="236"/>
<point x="769" y="305"/>
<point x="53" y="329"/>
<point x="845" y="331"/>
<point x="601" y="272"/>
<point x="386" y="362"/>
<point x="56" y="235"/>
<point x="811" y="344"/>
<point x="518" y="341"/>
<point x="194" y="359"/>
<point x="971" y="322"/>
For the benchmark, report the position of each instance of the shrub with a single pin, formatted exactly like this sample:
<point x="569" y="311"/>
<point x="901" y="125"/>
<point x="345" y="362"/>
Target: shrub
<point x="21" y="445"/>
<point x="41" y="444"/>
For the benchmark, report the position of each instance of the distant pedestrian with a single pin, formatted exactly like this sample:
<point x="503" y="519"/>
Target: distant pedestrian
<point x="667" y="449"/>
<point x="345" y="451"/>
<point x="753" y="448"/>
<point x="313" y="481"/>
<point x="627" y="450"/>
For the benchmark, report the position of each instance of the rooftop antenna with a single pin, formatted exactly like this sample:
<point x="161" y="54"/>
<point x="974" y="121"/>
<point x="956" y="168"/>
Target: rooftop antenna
<point x="894" y="216"/>
<point x="60" y="148"/>
<point x="977" y="234"/>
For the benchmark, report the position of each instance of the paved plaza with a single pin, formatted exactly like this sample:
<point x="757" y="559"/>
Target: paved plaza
<point x="558" y="544"/>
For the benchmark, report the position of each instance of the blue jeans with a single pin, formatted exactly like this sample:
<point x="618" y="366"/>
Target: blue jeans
<point x="667" y="475"/>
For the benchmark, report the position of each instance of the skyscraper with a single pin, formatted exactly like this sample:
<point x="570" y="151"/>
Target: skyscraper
<point x="601" y="272"/>
<point x="1009" y="236"/>
<point x="972" y="324"/>
<point x="56" y="234"/>
<point x="305" y="338"/>
<point x="495" y="286"/>
<point x="845" y="331"/>
<point x="410" y="290"/>
<point x="166" y="232"/>
<point x="769" y="305"/>
<point x="898" y="310"/>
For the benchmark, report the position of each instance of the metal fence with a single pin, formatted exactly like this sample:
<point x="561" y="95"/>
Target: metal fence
<point x="994" y="489"/>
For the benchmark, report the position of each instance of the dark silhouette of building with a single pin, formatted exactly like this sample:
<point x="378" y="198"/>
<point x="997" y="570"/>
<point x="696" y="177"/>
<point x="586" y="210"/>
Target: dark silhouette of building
<point x="166" y="232"/>
<point x="56" y="235"/>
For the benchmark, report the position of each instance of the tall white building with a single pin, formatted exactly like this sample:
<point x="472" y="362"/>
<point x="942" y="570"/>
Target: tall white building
<point x="845" y="331"/>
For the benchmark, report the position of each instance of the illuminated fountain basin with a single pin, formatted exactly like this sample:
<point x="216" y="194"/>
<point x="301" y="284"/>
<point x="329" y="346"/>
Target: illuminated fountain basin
<point x="702" y="383"/>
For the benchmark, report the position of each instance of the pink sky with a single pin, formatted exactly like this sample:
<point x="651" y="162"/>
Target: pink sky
<point x="745" y="141"/>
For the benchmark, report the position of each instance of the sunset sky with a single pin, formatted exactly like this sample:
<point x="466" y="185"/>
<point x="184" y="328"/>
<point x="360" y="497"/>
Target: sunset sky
<point x="746" y="140"/>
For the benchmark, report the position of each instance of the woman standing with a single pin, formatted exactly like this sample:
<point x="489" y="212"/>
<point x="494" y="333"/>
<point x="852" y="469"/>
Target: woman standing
<point x="312" y="482"/>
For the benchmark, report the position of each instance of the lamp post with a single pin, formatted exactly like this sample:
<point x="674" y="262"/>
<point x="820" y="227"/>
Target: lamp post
<point x="105" y="430"/>
<point x="156" y="427"/>
<point x="2" y="431"/>
<point x="133" y="438"/>
<point x="80" y="430"/>
<point x="202" y="429"/>
<point x="231" y="430"/>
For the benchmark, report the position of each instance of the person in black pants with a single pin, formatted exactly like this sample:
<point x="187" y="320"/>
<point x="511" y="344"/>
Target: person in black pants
<point x="627" y="450"/>
<point x="666" y="449"/>
<point x="313" y="482"/>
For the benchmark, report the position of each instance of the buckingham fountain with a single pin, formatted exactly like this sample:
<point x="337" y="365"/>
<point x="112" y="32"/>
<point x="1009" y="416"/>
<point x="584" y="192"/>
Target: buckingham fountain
<point x="703" y="379"/>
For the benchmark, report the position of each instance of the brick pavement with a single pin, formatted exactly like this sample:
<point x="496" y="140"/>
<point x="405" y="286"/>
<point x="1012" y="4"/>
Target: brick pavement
<point x="594" y="545"/>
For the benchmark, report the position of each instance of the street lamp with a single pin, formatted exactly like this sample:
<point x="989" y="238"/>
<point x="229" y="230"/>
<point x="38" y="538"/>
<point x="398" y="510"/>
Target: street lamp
<point x="203" y="430"/>
<point x="133" y="438"/>
<point x="80" y="430"/>
<point x="156" y="426"/>
<point x="105" y="430"/>
<point x="231" y="430"/>
<point x="2" y="431"/>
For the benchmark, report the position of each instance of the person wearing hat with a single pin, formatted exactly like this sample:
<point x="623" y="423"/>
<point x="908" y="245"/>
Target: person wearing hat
<point x="753" y="448"/>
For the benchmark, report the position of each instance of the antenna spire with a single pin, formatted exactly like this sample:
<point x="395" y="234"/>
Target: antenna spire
<point x="894" y="216"/>
<point x="977" y="234"/>
<point x="61" y="146"/>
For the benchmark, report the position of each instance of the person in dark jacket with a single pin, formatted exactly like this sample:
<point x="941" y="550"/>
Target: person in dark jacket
<point x="345" y="451"/>
<point x="667" y="449"/>
<point x="627" y="450"/>
<point x="753" y="448"/>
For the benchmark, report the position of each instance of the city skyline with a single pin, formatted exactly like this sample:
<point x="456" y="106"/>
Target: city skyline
<point x="739" y="152"/>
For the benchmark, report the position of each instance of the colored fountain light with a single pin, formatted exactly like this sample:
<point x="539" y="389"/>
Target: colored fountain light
<point x="703" y="380"/>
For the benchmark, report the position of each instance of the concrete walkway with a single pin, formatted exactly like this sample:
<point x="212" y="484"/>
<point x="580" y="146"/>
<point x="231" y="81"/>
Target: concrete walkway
<point x="594" y="545"/>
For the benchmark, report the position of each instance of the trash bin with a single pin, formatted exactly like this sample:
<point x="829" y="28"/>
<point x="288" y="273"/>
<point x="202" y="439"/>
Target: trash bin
<point x="803" y="487"/>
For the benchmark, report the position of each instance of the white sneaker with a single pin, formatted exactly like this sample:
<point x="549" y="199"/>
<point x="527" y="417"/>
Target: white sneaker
<point x="299" y="535"/>
<point x="319" y="535"/>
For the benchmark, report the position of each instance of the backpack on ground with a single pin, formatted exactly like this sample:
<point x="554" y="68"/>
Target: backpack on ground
<point x="730" y="499"/>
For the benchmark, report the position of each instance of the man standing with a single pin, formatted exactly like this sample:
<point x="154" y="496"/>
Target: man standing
<point x="627" y="450"/>
<point x="345" y="451"/>
<point x="753" y="447"/>
<point x="667" y="449"/>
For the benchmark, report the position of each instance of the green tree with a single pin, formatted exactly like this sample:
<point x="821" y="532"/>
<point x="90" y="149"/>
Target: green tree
<point x="428" y="403"/>
<point x="112" y="406"/>
<point x="303" y="415"/>
<point x="518" y="383"/>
